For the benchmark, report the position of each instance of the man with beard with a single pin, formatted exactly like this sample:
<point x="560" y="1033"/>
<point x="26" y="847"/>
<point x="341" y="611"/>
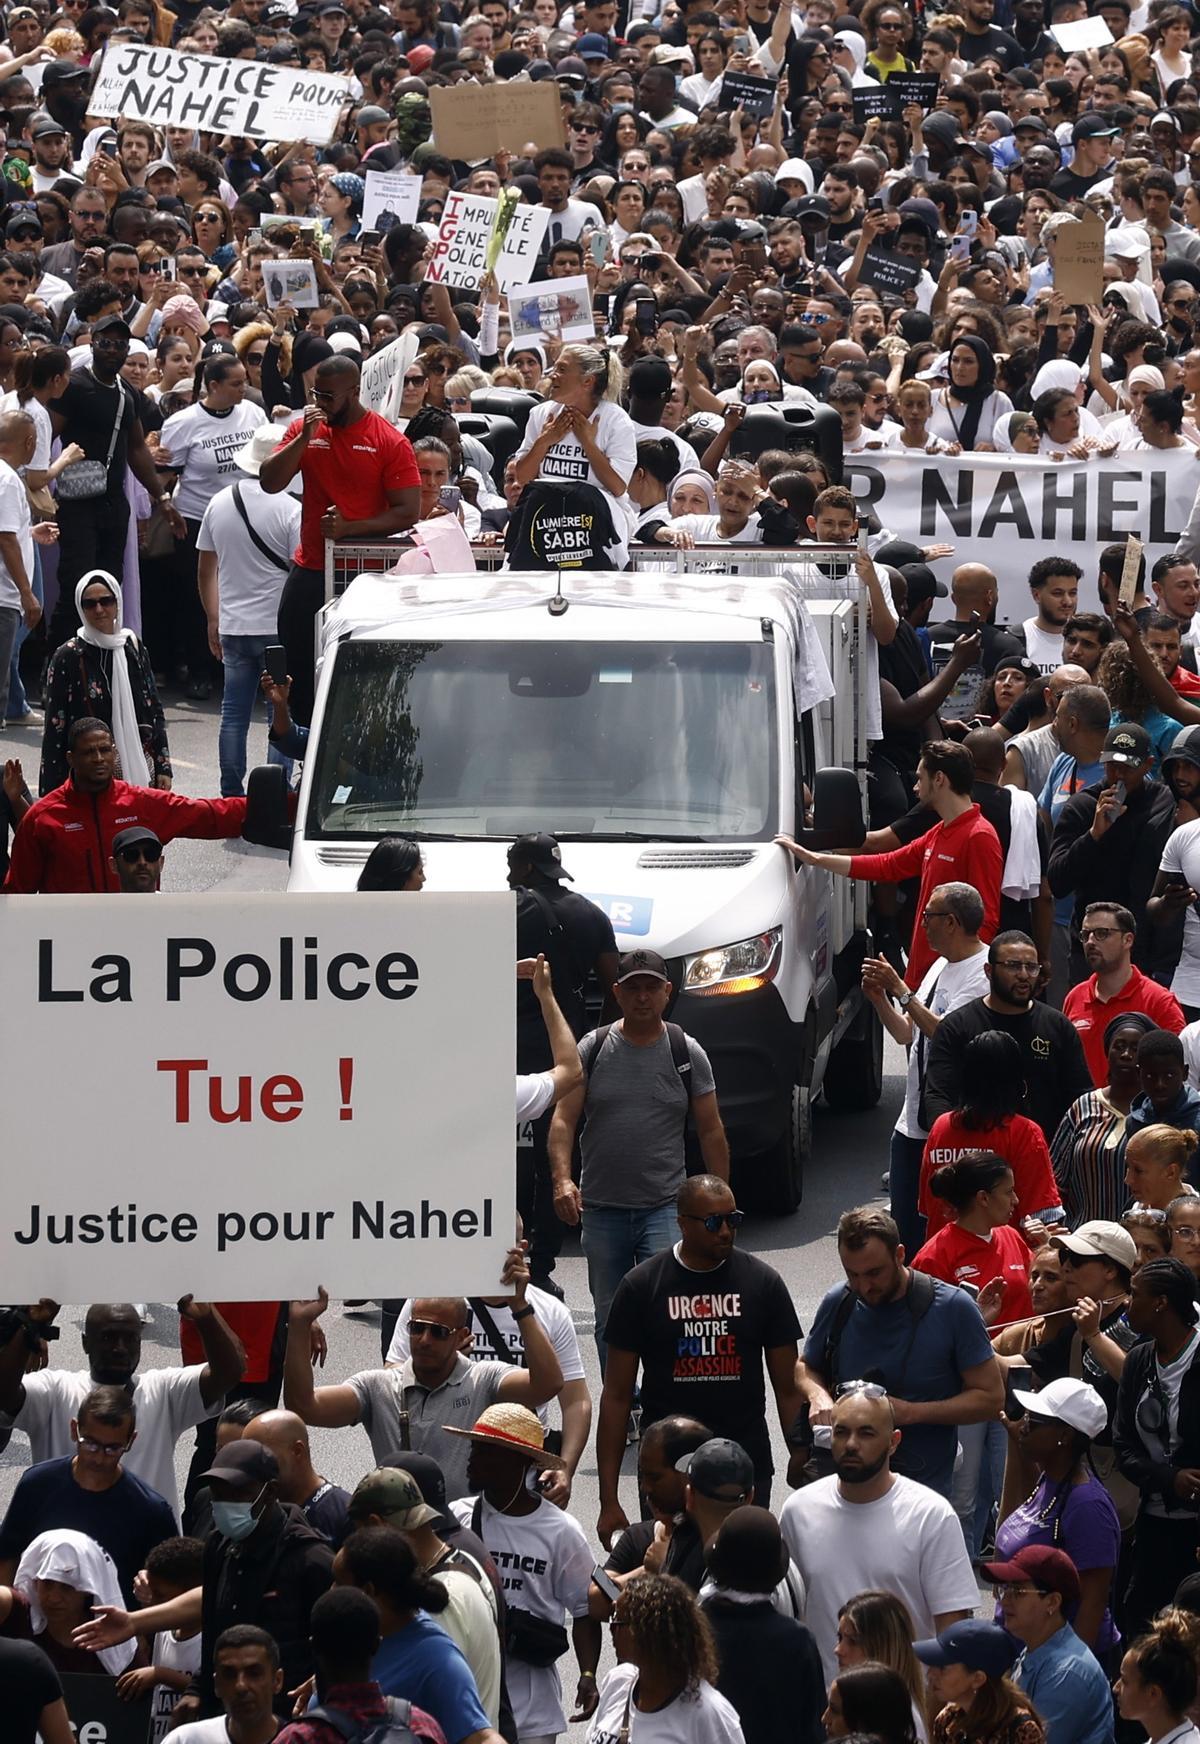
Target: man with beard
<point x="868" y="1528"/>
<point x="921" y="1340"/>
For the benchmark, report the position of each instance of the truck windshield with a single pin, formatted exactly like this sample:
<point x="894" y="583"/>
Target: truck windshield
<point x="606" y="739"/>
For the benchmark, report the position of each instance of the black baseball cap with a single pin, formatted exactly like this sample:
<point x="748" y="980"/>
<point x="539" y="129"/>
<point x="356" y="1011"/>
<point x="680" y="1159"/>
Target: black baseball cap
<point x="1185" y="748"/>
<point x="543" y="853"/>
<point x="110" y="323"/>
<point x="641" y="963"/>
<point x="135" y="833"/>
<point x="24" y="224"/>
<point x="45" y="127"/>
<point x="244" y="1462"/>
<point x="62" y="73"/>
<point x="1129" y="743"/>
<point x="814" y="207"/>
<point x="922" y="583"/>
<point x="1093" y="126"/>
<point x="721" y="1470"/>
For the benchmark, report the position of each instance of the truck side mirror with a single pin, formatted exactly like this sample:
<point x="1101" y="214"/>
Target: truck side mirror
<point x="837" y="813"/>
<point x="267" y="823"/>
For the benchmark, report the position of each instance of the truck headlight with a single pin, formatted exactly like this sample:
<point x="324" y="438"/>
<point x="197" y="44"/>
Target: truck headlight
<point x="739" y="968"/>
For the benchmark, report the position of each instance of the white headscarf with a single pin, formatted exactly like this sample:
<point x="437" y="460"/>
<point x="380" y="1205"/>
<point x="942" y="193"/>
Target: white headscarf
<point x="77" y="1561"/>
<point x="126" y="732"/>
<point x="1061" y="373"/>
<point x="691" y="477"/>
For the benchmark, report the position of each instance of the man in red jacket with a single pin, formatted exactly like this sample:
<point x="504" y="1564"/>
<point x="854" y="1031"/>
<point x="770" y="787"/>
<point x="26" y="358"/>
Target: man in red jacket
<point x="962" y="849"/>
<point x="64" y="842"/>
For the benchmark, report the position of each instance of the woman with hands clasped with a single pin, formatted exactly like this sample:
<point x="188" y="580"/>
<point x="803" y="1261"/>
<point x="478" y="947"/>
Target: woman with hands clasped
<point x="580" y="435"/>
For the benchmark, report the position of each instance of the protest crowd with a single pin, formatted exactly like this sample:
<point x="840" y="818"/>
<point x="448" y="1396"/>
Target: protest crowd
<point x="278" y="278"/>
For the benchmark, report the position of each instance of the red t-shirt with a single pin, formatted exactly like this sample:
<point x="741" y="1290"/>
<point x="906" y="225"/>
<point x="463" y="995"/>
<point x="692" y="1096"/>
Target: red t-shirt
<point x="1092" y="1016"/>
<point x="966" y="851"/>
<point x="352" y="467"/>
<point x="958" y="1257"/>
<point x="253" y="1322"/>
<point x="1186" y="682"/>
<point x="1018" y="1140"/>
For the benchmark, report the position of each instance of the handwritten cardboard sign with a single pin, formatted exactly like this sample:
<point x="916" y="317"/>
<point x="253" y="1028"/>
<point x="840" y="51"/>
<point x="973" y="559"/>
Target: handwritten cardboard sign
<point x="1079" y="260"/>
<point x="471" y="122"/>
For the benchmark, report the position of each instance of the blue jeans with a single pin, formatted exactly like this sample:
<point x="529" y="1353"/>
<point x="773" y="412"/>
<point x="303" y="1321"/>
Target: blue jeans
<point x="18" y="702"/>
<point x="243" y="658"/>
<point x="614" y="1241"/>
<point x="978" y="1479"/>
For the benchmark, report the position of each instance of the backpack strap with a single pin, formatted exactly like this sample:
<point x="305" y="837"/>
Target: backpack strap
<point x="680" y="1056"/>
<point x="477" y="1518"/>
<point x="492" y="1333"/>
<point x="601" y="1036"/>
<point x="340" y="1722"/>
<point x="918" y="1298"/>
<point x="258" y="543"/>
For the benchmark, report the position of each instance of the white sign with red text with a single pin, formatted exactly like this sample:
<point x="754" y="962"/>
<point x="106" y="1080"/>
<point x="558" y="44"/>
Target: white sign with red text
<point x="244" y="1099"/>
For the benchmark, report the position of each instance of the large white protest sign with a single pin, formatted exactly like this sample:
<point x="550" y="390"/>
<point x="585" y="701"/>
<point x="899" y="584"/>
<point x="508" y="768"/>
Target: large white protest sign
<point x="382" y="381"/>
<point x="462" y="239"/>
<point x="172" y="89"/>
<point x="390" y="197"/>
<point x="1008" y="510"/>
<point x="256" y="1097"/>
<point x="554" y="309"/>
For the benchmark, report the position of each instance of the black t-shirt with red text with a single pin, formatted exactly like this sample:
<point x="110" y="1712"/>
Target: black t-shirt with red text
<point x="701" y="1338"/>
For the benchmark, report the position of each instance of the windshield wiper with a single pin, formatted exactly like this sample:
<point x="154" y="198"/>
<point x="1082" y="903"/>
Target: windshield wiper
<point x="622" y="836"/>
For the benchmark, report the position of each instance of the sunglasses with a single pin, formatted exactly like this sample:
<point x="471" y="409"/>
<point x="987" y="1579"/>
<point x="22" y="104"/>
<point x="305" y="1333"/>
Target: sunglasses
<point x="255" y="356"/>
<point x="715" y="1219"/>
<point x="863" y="1389"/>
<point x="208" y="218"/>
<point x="93" y="602"/>
<point x="414" y="381"/>
<point x="108" y="1449"/>
<point x="194" y="272"/>
<point x="429" y="1329"/>
<point x="151" y="853"/>
<point x="583" y="127"/>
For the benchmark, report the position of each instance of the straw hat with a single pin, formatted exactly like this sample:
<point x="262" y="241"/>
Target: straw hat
<point x="516" y="1428"/>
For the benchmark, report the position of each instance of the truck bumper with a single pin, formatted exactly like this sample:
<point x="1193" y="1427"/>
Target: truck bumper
<point x="755" y="1051"/>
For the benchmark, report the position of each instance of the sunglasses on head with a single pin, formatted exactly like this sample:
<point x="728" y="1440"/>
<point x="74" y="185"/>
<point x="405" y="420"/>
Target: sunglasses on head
<point x="150" y="852"/>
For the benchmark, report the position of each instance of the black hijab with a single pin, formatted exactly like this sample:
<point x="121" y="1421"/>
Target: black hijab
<point x="972" y="398"/>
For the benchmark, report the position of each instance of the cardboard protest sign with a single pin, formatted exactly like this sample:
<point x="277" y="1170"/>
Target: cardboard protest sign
<point x="97" y="1713"/>
<point x="1130" y="571"/>
<point x="476" y="121"/>
<point x="293" y="281"/>
<point x="877" y="100"/>
<point x="555" y="308"/>
<point x="888" y="272"/>
<point x="382" y="381"/>
<point x="286" y="1056"/>
<point x="460" y="251"/>
<point x="390" y="197"/>
<point x="755" y="97"/>
<point x="1079" y="260"/>
<point x="172" y="89"/>
<point x="918" y="88"/>
<point x="1083" y="33"/>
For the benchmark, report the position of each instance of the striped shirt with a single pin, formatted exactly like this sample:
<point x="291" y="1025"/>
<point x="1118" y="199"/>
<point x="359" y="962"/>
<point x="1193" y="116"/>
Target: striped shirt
<point x="1088" y="1156"/>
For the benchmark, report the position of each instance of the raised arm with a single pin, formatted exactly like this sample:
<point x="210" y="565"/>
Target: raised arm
<point x="320" y="1407"/>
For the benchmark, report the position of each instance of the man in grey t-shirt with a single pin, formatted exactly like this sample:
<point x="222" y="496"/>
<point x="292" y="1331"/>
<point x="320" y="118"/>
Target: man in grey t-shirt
<point x="636" y="1098"/>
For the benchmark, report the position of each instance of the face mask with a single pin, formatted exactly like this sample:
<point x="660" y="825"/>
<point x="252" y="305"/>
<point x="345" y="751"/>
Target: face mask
<point x="235" y="1520"/>
<point x="755" y="396"/>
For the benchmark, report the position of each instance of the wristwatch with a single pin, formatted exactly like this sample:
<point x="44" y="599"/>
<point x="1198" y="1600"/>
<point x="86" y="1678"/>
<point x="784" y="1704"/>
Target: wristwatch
<point x="905" y="999"/>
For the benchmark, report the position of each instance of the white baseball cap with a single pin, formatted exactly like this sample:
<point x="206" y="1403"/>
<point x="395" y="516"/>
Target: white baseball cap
<point x="1067" y="1401"/>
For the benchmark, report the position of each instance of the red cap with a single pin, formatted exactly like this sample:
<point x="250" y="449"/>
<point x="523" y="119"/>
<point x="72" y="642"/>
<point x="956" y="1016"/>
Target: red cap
<point x="1044" y="1566"/>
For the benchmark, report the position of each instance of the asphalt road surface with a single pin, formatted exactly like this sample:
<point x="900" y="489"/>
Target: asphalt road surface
<point x="850" y="1153"/>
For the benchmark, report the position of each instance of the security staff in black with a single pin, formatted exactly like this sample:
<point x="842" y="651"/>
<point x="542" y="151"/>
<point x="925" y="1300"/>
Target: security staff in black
<point x="577" y="939"/>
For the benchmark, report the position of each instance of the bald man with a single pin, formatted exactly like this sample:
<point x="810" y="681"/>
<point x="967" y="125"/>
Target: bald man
<point x="703" y="1319"/>
<point x="407" y="1408"/>
<point x="324" y="1505"/>
<point x="974" y="591"/>
<point x="1029" y="755"/>
<point x="868" y="1527"/>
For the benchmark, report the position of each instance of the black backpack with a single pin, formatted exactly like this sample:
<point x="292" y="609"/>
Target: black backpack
<point x="394" y="1727"/>
<point x="918" y="1299"/>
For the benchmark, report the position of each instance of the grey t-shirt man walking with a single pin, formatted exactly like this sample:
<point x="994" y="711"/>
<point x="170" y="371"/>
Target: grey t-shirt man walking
<point x="636" y="1097"/>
